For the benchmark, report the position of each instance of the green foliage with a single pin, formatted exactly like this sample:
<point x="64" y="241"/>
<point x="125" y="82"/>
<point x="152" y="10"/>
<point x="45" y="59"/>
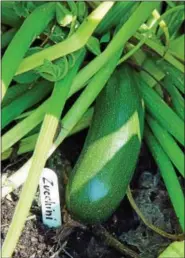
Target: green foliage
<point x="119" y="14"/>
<point x="82" y="10"/>
<point x="63" y="15"/>
<point x="56" y="70"/>
<point x="105" y="38"/>
<point x="50" y="40"/>
<point x="30" y="76"/>
<point x="93" y="45"/>
<point x="175" y="250"/>
<point x="173" y="20"/>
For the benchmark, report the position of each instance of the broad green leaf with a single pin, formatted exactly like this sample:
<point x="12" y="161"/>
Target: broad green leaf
<point x="54" y="71"/>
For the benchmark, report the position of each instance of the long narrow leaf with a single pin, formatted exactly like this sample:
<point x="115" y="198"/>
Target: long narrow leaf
<point x="43" y="145"/>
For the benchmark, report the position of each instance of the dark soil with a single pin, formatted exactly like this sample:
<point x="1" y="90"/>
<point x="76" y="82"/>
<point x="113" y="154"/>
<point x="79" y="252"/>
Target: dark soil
<point x="78" y="241"/>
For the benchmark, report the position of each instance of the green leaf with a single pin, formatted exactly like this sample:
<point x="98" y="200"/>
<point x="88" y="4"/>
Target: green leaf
<point x="8" y="14"/>
<point x="30" y="76"/>
<point x="174" y="250"/>
<point x="105" y="38"/>
<point x="82" y="11"/>
<point x="56" y="33"/>
<point x="175" y="77"/>
<point x="54" y="71"/>
<point x="177" y="47"/>
<point x="93" y="45"/>
<point x="21" y="9"/>
<point x="73" y="7"/>
<point x="24" y="8"/>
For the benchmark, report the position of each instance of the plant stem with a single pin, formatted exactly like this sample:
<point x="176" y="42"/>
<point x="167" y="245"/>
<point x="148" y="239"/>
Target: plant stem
<point x="163" y="27"/>
<point x="132" y="51"/>
<point x="43" y="145"/>
<point x="161" y="51"/>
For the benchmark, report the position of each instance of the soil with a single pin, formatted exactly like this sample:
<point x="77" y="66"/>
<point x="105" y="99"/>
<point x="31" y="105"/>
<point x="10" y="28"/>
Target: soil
<point x="79" y="241"/>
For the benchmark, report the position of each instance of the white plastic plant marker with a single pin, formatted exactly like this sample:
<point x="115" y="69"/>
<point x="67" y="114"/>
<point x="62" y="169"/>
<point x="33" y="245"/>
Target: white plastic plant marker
<point x="50" y="200"/>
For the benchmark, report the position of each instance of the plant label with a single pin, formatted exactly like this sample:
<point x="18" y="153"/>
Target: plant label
<point x="50" y="200"/>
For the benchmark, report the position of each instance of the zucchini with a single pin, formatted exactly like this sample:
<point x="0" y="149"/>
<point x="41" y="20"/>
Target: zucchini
<point x="105" y="167"/>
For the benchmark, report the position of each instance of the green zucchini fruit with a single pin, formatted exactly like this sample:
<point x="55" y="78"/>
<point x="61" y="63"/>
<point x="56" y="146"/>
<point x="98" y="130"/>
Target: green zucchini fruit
<point x="105" y="167"/>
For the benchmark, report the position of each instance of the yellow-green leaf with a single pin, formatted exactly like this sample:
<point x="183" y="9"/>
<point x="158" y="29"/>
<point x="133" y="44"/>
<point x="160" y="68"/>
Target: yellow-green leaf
<point x="174" y="250"/>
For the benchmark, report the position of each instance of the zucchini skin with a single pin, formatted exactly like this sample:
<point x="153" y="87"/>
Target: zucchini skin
<point x="106" y="164"/>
